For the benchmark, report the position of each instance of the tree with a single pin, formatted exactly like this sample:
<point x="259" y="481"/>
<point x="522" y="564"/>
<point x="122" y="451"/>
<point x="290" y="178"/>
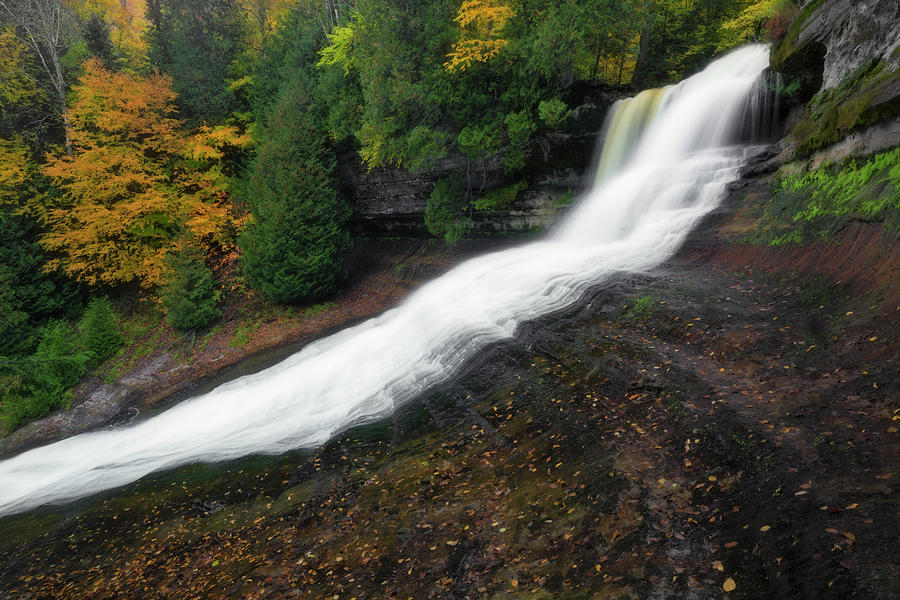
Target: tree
<point x="21" y="96"/>
<point x="34" y="386"/>
<point x="293" y="248"/>
<point x="265" y="15"/>
<point x="482" y="23"/>
<point x="190" y="297"/>
<point x="445" y="211"/>
<point x="49" y="30"/>
<point x="99" y="42"/>
<point x="30" y="296"/>
<point x="135" y="184"/>
<point x="117" y="213"/>
<point x="100" y="330"/>
<point x="124" y="19"/>
<point x="197" y="43"/>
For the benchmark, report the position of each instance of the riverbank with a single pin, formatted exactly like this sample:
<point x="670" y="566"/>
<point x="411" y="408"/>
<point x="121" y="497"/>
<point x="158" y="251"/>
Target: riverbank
<point x="162" y="366"/>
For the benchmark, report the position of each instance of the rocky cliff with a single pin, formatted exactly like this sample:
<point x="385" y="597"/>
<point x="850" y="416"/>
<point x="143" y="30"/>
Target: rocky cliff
<point x="842" y="56"/>
<point x="391" y="202"/>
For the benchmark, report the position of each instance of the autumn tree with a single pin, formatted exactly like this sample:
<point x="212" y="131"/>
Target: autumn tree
<point x="126" y="192"/>
<point x="264" y="16"/>
<point x="481" y="23"/>
<point x="125" y="20"/>
<point x="22" y="100"/>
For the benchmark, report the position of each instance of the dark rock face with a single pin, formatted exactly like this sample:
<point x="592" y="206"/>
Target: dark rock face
<point x="844" y="57"/>
<point x="391" y="202"/>
<point x="851" y="33"/>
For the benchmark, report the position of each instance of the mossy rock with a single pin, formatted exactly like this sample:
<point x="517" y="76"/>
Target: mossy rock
<point x="869" y="95"/>
<point x="790" y="55"/>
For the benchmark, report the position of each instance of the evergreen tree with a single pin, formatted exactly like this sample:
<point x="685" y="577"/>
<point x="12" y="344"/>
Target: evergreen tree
<point x="100" y="330"/>
<point x="190" y="296"/>
<point x="98" y="42"/>
<point x="34" y="386"/>
<point x="197" y="43"/>
<point x="65" y="360"/>
<point x="293" y="249"/>
<point x="28" y="294"/>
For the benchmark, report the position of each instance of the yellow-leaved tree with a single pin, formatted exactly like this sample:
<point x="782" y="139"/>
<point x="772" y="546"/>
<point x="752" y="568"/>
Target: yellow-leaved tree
<point x="126" y="19"/>
<point x="481" y="24"/>
<point x="127" y="194"/>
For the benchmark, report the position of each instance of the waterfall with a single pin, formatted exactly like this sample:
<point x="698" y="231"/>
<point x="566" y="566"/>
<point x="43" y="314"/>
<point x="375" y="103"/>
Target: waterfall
<point x="662" y="182"/>
<point x="626" y="122"/>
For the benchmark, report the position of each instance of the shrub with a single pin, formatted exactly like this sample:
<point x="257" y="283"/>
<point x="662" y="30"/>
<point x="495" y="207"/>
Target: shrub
<point x="65" y="359"/>
<point x="190" y="298"/>
<point x="501" y="198"/>
<point x="519" y="129"/>
<point x="100" y="330"/>
<point x="444" y="212"/>
<point x="35" y="386"/>
<point x="553" y="112"/>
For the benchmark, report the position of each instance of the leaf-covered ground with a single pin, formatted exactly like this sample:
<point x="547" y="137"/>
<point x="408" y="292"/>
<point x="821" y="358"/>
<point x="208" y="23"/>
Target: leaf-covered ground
<point x="708" y="432"/>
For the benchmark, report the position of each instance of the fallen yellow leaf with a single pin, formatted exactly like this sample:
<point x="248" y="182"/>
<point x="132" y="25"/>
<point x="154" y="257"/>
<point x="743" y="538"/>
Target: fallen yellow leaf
<point x="729" y="585"/>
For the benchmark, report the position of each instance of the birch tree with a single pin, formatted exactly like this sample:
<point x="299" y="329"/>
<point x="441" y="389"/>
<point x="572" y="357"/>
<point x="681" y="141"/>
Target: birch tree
<point x="49" y="30"/>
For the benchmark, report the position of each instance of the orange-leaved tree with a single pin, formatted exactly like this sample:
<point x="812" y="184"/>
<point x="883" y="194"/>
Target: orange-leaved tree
<point x="481" y="23"/>
<point x="126" y="195"/>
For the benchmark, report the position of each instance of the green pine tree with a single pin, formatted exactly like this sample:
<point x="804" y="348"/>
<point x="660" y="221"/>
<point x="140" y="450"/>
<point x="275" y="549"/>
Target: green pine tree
<point x="190" y="297"/>
<point x="198" y="43"/>
<point x="100" y="330"/>
<point x="96" y="37"/>
<point x="293" y="250"/>
<point x="29" y="296"/>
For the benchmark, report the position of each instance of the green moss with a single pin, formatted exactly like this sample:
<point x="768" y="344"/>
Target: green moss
<point x="810" y="205"/>
<point x="244" y="333"/>
<point x="319" y="308"/>
<point x="640" y="309"/>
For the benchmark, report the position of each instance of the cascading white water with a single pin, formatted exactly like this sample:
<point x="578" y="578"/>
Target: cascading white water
<point x="632" y="221"/>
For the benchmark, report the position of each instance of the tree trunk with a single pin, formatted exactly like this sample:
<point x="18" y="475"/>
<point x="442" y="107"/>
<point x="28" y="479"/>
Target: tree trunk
<point x="597" y="59"/>
<point x="60" y="84"/>
<point x="640" y="65"/>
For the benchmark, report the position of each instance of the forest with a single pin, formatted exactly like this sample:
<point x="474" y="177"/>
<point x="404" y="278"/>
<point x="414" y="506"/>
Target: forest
<point x="168" y="156"/>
